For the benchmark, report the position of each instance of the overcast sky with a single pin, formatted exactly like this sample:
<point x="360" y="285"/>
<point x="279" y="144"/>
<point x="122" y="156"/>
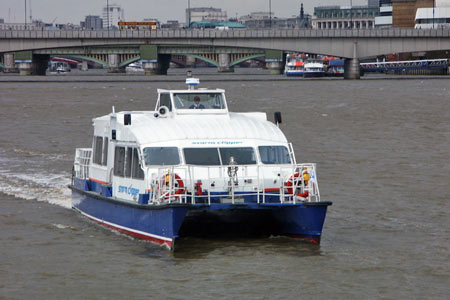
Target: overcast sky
<point x="73" y="11"/>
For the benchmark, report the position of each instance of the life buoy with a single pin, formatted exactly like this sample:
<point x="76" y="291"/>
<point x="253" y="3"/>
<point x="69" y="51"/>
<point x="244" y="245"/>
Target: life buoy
<point x="294" y="182"/>
<point x="178" y="184"/>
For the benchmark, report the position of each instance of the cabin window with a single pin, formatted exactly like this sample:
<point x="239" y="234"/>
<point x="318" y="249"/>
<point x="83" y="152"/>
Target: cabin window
<point x="202" y="156"/>
<point x="161" y="156"/>
<point x="164" y="100"/>
<point x="242" y="156"/>
<point x="98" y="150"/>
<point x="274" y="155"/>
<point x="207" y="101"/>
<point x="105" y="151"/>
<point x="129" y="160"/>
<point x="137" y="172"/>
<point x="119" y="161"/>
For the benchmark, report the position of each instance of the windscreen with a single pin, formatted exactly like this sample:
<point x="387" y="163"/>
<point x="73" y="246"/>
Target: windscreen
<point x="161" y="156"/>
<point x="242" y="156"/>
<point x="274" y="155"/>
<point x="199" y="101"/>
<point x="202" y="156"/>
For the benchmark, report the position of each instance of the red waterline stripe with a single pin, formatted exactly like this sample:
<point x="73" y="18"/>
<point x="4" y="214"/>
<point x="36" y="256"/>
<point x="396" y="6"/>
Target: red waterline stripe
<point x="141" y="236"/>
<point x="314" y="241"/>
<point x="98" y="181"/>
<point x="168" y="244"/>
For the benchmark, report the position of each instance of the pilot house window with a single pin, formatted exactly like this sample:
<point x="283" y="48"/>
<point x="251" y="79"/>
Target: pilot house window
<point x="100" y="151"/>
<point x="274" y="155"/>
<point x="127" y="164"/>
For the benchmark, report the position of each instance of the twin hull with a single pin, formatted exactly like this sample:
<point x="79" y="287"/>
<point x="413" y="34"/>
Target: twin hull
<point x="164" y="223"/>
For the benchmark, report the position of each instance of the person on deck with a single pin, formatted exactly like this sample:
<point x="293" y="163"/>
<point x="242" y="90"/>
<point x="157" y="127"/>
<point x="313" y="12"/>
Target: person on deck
<point x="197" y="104"/>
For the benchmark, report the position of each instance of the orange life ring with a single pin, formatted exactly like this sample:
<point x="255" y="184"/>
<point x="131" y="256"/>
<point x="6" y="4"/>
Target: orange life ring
<point x="179" y="184"/>
<point x="289" y="184"/>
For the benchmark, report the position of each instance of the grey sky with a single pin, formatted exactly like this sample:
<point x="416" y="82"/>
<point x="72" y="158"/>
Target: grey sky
<point x="73" y="11"/>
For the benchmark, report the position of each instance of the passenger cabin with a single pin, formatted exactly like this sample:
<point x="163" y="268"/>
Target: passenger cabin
<point x="189" y="145"/>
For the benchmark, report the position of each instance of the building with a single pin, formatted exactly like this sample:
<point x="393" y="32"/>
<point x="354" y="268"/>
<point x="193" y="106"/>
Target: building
<point x="336" y="17"/>
<point x="404" y="11"/>
<point x="112" y="14"/>
<point x="433" y="17"/>
<point x="373" y="3"/>
<point x="2" y="21"/>
<point x="211" y="14"/>
<point x="92" y="22"/>
<point x="384" y="19"/>
<point x="268" y="20"/>
<point x="171" y="24"/>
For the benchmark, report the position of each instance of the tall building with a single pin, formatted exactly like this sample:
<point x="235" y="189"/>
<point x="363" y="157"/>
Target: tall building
<point x="93" y="22"/>
<point x="112" y="14"/>
<point x="336" y="17"/>
<point x="268" y="20"/>
<point x="385" y="17"/>
<point x="211" y="14"/>
<point x="404" y="11"/>
<point x="373" y="3"/>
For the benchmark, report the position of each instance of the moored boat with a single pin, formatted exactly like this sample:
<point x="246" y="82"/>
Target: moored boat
<point x="313" y="67"/>
<point x="294" y="65"/>
<point x="192" y="167"/>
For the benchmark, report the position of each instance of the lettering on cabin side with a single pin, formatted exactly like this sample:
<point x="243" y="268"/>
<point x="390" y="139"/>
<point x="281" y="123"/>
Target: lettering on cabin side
<point x="128" y="190"/>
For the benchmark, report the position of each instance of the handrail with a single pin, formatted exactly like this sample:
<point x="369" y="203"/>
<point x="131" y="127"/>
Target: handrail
<point x="182" y="184"/>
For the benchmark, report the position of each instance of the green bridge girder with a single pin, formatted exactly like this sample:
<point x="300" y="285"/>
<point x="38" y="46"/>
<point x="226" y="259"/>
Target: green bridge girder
<point x="82" y="57"/>
<point x="246" y="58"/>
<point x="129" y="61"/>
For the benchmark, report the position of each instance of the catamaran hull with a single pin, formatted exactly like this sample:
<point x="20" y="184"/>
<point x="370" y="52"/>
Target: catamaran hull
<point x="159" y="225"/>
<point x="163" y="224"/>
<point x="294" y="73"/>
<point x="313" y="74"/>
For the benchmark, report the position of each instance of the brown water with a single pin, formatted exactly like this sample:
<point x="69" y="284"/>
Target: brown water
<point x="382" y="150"/>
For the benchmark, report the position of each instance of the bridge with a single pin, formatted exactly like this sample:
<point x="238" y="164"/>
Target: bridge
<point x="156" y="46"/>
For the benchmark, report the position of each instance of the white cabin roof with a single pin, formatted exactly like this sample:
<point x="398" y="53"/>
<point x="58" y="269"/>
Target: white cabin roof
<point x="145" y="128"/>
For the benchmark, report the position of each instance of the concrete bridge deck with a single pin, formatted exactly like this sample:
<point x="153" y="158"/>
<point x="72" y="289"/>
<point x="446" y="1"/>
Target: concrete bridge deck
<point x="341" y="43"/>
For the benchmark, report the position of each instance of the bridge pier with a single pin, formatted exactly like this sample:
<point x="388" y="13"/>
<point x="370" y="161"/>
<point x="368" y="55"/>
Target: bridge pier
<point x="275" y="61"/>
<point x="157" y="67"/>
<point x="224" y="63"/>
<point x="113" y="64"/>
<point x="37" y="65"/>
<point x="9" y="63"/>
<point x="352" y="69"/>
<point x="190" y="61"/>
<point x="275" y="67"/>
<point x="84" y="65"/>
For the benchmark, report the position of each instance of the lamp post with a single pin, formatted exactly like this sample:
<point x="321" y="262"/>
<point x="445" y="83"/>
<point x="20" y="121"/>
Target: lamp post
<point x="189" y="13"/>
<point x="351" y="14"/>
<point x="107" y="14"/>
<point x="270" y="13"/>
<point x="434" y="5"/>
<point x="25" y="14"/>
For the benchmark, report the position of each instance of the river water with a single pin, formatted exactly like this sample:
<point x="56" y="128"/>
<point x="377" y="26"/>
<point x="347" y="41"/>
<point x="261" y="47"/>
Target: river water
<point x="381" y="145"/>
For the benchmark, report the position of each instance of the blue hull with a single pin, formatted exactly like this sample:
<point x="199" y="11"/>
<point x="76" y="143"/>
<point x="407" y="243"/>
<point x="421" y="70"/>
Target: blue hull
<point x="163" y="224"/>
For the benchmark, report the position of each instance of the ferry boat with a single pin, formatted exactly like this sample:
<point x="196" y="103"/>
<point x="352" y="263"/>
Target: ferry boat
<point x="335" y="67"/>
<point x="294" y="65"/>
<point x="313" y="68"/>
<point x="58" y="67"/>
<point x="135" y="67"/>
<point x="191" y="167"/>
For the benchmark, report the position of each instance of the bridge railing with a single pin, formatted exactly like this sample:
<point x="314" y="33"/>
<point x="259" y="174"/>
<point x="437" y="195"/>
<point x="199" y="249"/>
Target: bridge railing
<point x="226" y="34"/>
